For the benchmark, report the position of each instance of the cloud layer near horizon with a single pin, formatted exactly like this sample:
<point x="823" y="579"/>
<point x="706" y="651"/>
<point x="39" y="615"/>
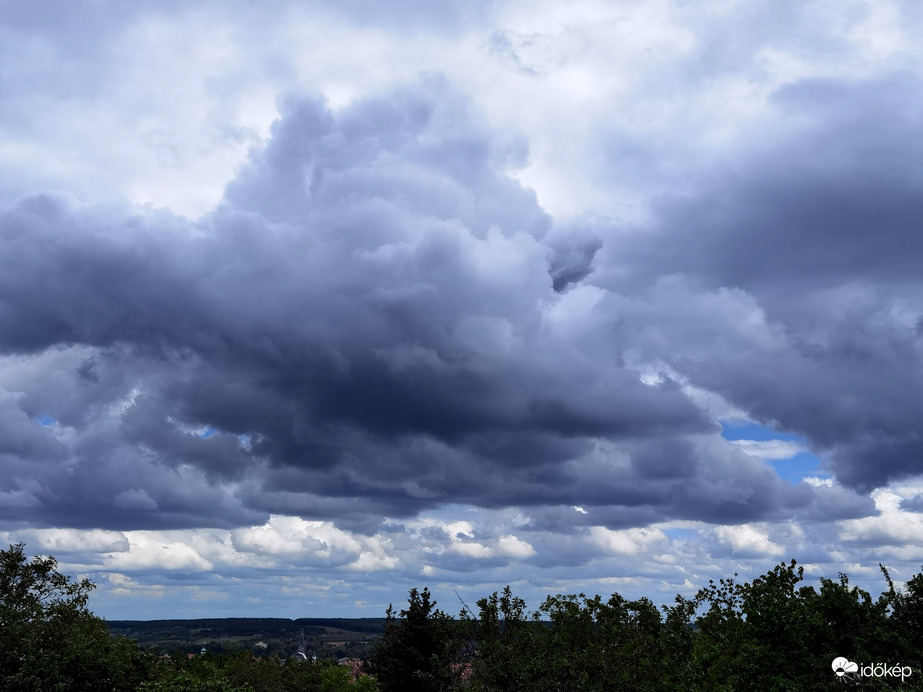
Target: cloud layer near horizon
<point x="380" y="351"/>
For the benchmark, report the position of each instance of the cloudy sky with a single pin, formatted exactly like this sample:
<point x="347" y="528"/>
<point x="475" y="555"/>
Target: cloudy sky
<point x="304" y="304"/>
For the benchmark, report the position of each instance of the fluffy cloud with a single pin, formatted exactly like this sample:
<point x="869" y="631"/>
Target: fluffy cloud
<point x="804" y="244"/>
<point x="749" y="541"/>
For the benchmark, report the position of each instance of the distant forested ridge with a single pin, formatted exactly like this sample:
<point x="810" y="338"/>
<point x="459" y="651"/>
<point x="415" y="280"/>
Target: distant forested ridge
<point x="243" y="626"/>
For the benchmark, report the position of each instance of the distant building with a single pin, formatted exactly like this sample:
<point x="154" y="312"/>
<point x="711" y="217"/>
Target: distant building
<point x="302" y="653"/>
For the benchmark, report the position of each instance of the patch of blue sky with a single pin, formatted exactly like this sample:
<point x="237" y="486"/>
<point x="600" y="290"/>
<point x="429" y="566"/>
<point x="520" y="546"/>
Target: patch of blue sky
<point x="45" y="421"/>
<point x="755" y="431"/>
<point x="796" y="468"/>
<point x="681" y="533"/>
<point x="790" y="467"/>
<point x="207" y="432"/>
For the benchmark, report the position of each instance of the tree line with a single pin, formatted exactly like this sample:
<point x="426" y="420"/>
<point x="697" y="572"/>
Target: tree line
<point x="771" y="633"/>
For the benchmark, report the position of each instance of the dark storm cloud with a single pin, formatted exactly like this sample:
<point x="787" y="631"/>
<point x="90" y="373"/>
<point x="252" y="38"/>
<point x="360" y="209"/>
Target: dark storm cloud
<point x="813" y="232"/>
<point x="374" y="322"/>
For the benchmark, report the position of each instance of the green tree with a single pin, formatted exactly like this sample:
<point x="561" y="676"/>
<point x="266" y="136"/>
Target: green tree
<point x="335" y="679"/>
<point x="601" y="645"/>
<point x="418" y="651"/>
<point x="261" y="675"/>
<point x="365" y="683"/>
<point x="508" y="641"/>
<point x="905" y="636"/>
<point x="772" y="634"/>
<point x="49" y="640"/>
<point x="578" y="643"/>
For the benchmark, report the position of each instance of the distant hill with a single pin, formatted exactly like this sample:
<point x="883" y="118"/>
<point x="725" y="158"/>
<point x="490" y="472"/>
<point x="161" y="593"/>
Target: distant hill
<point x="325" y="637"/>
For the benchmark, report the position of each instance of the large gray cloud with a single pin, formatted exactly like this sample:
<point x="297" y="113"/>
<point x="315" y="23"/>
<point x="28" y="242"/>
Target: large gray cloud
<point x="814" y="224"/>
<point x="375" y="321"/>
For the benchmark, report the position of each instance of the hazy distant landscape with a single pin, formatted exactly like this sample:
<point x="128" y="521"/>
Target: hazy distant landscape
<point x="325" y="638"/>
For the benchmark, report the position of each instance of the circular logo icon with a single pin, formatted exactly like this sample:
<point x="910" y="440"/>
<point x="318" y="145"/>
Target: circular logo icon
<point x="842" y="665"/>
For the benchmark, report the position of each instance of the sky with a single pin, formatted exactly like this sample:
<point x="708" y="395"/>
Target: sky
<point x="305" y="304"/>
